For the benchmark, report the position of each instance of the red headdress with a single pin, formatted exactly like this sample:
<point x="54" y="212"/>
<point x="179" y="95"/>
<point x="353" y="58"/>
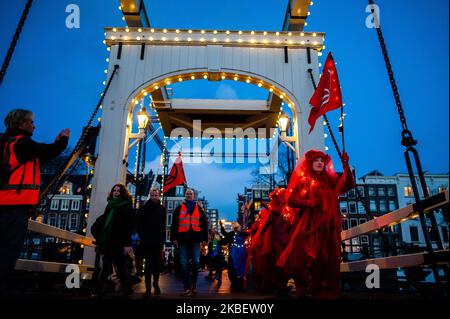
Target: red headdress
<point x="304" y="170"/>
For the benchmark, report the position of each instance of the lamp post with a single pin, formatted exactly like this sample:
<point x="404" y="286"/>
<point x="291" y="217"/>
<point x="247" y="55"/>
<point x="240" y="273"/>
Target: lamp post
<point x="283" y="123"/>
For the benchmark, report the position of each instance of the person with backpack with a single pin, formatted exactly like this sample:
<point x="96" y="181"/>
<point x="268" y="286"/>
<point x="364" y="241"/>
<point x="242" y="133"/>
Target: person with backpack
<point x="20" y="159"/>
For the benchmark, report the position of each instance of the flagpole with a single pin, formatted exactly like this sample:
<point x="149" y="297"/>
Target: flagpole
<point x="341" y="128"/>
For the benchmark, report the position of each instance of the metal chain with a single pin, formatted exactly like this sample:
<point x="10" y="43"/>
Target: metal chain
<point x="406" y="133"/>
<point x="54" y="183"/>
<point x="16" y="37"/>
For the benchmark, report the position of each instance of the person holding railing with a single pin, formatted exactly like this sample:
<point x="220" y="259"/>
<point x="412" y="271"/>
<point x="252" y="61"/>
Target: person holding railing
<point x="112" y="232"/>
<point x="20" y="159"/>
<point x="313" y="255"/>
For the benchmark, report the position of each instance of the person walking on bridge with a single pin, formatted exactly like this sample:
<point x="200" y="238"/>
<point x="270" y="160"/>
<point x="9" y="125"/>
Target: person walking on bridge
<point x="189" y="230"/>
<point x="20" y="159"/>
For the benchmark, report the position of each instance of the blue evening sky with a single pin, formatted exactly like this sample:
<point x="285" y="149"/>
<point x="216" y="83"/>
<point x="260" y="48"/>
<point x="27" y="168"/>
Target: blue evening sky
<point x="58" y="73"/>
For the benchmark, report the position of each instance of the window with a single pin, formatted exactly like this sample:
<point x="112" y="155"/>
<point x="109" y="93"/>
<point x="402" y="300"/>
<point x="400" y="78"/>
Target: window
<point x="169" y="220"/>
<point x="392" y="205"/>
<point x="343" y="207"/>
<point x="257" y="194"/>
<point x="353" y="222"/>
<point x="364" y="239"/>
<point x="442" y="188"/>
<point x="391" y="191"/>
<point x="75" y="205"/>
<point x="167" y="234"/>
<point x="372" y="191"/>
<point x="55" y="204"/>
<point x="362" y="221"/>
<point x="414" y="233"/>
<point x="383" y="206"/>
<point x="352" y="207"/>
<point x="65" y="204"/>
<point x="408" y="191"/>
<point x="381" y="191"/>
<point x="63" y="221"/>
<point x="373" y="205"/>
<point x="52" y="220"/>
<point x="361" y="209"/>
<point x="345" y="224"/>
<point x="351" y="193"/>
<point x="179" y="191"/>
<point x="169" y="204"/>
<point x="257" y="205"/>
<point x="361" y="191"/>
<point x="73" y="222"/>
<point x="444" y="234"/>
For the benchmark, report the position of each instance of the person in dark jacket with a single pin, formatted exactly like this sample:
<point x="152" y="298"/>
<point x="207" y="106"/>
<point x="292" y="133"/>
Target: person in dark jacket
<point x="20" y="159"/>
<point x="189" y="229"/>
<point x="112" y="232"/>
<point x="151" y="228"/>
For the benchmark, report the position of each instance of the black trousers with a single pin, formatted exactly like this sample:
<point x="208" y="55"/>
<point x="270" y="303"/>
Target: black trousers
<point x="114" y="258"/>
<point x="13" y="229"/>
<point x="152" y="256"/>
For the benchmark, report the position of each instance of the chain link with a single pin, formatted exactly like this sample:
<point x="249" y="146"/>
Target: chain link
<point x="408" y="139"/>
<point x="14" y="41"/>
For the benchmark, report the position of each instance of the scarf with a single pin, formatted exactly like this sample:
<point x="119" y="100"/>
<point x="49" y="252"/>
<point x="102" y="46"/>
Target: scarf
<point x="114" y="204"/>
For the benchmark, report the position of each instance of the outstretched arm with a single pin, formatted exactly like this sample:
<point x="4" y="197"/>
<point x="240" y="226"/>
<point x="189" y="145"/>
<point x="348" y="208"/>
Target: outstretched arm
<point x="346" y="182"/>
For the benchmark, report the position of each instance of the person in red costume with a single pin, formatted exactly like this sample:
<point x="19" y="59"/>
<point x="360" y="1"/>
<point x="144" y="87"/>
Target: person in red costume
<point x="313" y="255"/>
<point x="269" y="242"/>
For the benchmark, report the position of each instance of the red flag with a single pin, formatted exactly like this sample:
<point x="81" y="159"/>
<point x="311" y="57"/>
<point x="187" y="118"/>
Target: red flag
<point x="176" y="176"/>
<point x="328" y="95"/>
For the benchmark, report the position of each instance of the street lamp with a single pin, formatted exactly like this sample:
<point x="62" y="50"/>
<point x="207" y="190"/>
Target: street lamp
<point x="142" y="119"/>
<point x="283" y="121"/>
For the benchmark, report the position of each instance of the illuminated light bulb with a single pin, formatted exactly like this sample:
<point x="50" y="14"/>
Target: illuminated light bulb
<point x="145" y="93"/>
<point x="165" y="30"/>
<point x="278" y="33"/>
<point x="104" y="82"/>
<point x="240" y="32"/>
<point x="108" y="49"/>
<point x="106" y="71"/>
<point x="215" y="32"/>
<point x="260" y="84"/>
<point x="253" y="32"/>
<point x="113" y="38"/>
<point x="99" y="119"/>
<point x="202" y="32"/>
<point x="114" y="29"/>
<point x="309" y="13"/>
<point x="214" y="40"/>
<point x="168" y="82"/>
<point x="290" y="34"/>
<point x="125" y="38"/>
<point x="176" y="39"/>
<point x="107" y="60"/>
<point x="290" y="42"/>
<point x="320" y="54"/>
<point x="281" y="96"/>
<point x="177" y="31"/>
<point x="271" y="89"/>
<point x="156" y="87"/>
<point x="205" y="76"/>
<point x="265" y="41"/>
<point x="315" y="42"/>
<point x="190" y="31"/>
<point x="325" y="135"/>
<point x="227" y="40"/>
<point x="136" y="102"/>
<point x="252" y="40"/>
<point x="180" y="80"/>
<point x="152" y="30"/>
<point x="223" y="77"/>
<point x="235" y="78"/>
<point x="120" y="8"/>
<point x="202" y="40"/>
<point x="303" y="42"/>
<point x="248" y="81"/>
<point x="324" y="122"/>
<point x="193" y="77"/>
<point x="164" y="38"/>
<point x="104" y="41"/>
<point x="326" y="148"/>
<point x="323" y="48"/>
<point x="127" y="30"/>
<point x="189" y="39"/>
<point x="312" y="3"/>
<point x="265" y="33"/>
<point x="80" y="261"/>
<point x="240" y="40"/>
<point x="277" y="42"/>
<point x="320" y="65"/>
<point x="314" y="34"/>
<point x="227" y="32"/>
<point x="140" y="30"/>
<point x="151" y="38"/>
<point x="138" y="38"/>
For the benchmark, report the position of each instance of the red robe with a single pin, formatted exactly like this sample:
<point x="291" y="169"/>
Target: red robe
<point x="313" y="255"/>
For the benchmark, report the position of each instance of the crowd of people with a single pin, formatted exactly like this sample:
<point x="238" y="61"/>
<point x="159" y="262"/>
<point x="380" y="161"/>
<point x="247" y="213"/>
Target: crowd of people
<point x="296" y="235"/>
